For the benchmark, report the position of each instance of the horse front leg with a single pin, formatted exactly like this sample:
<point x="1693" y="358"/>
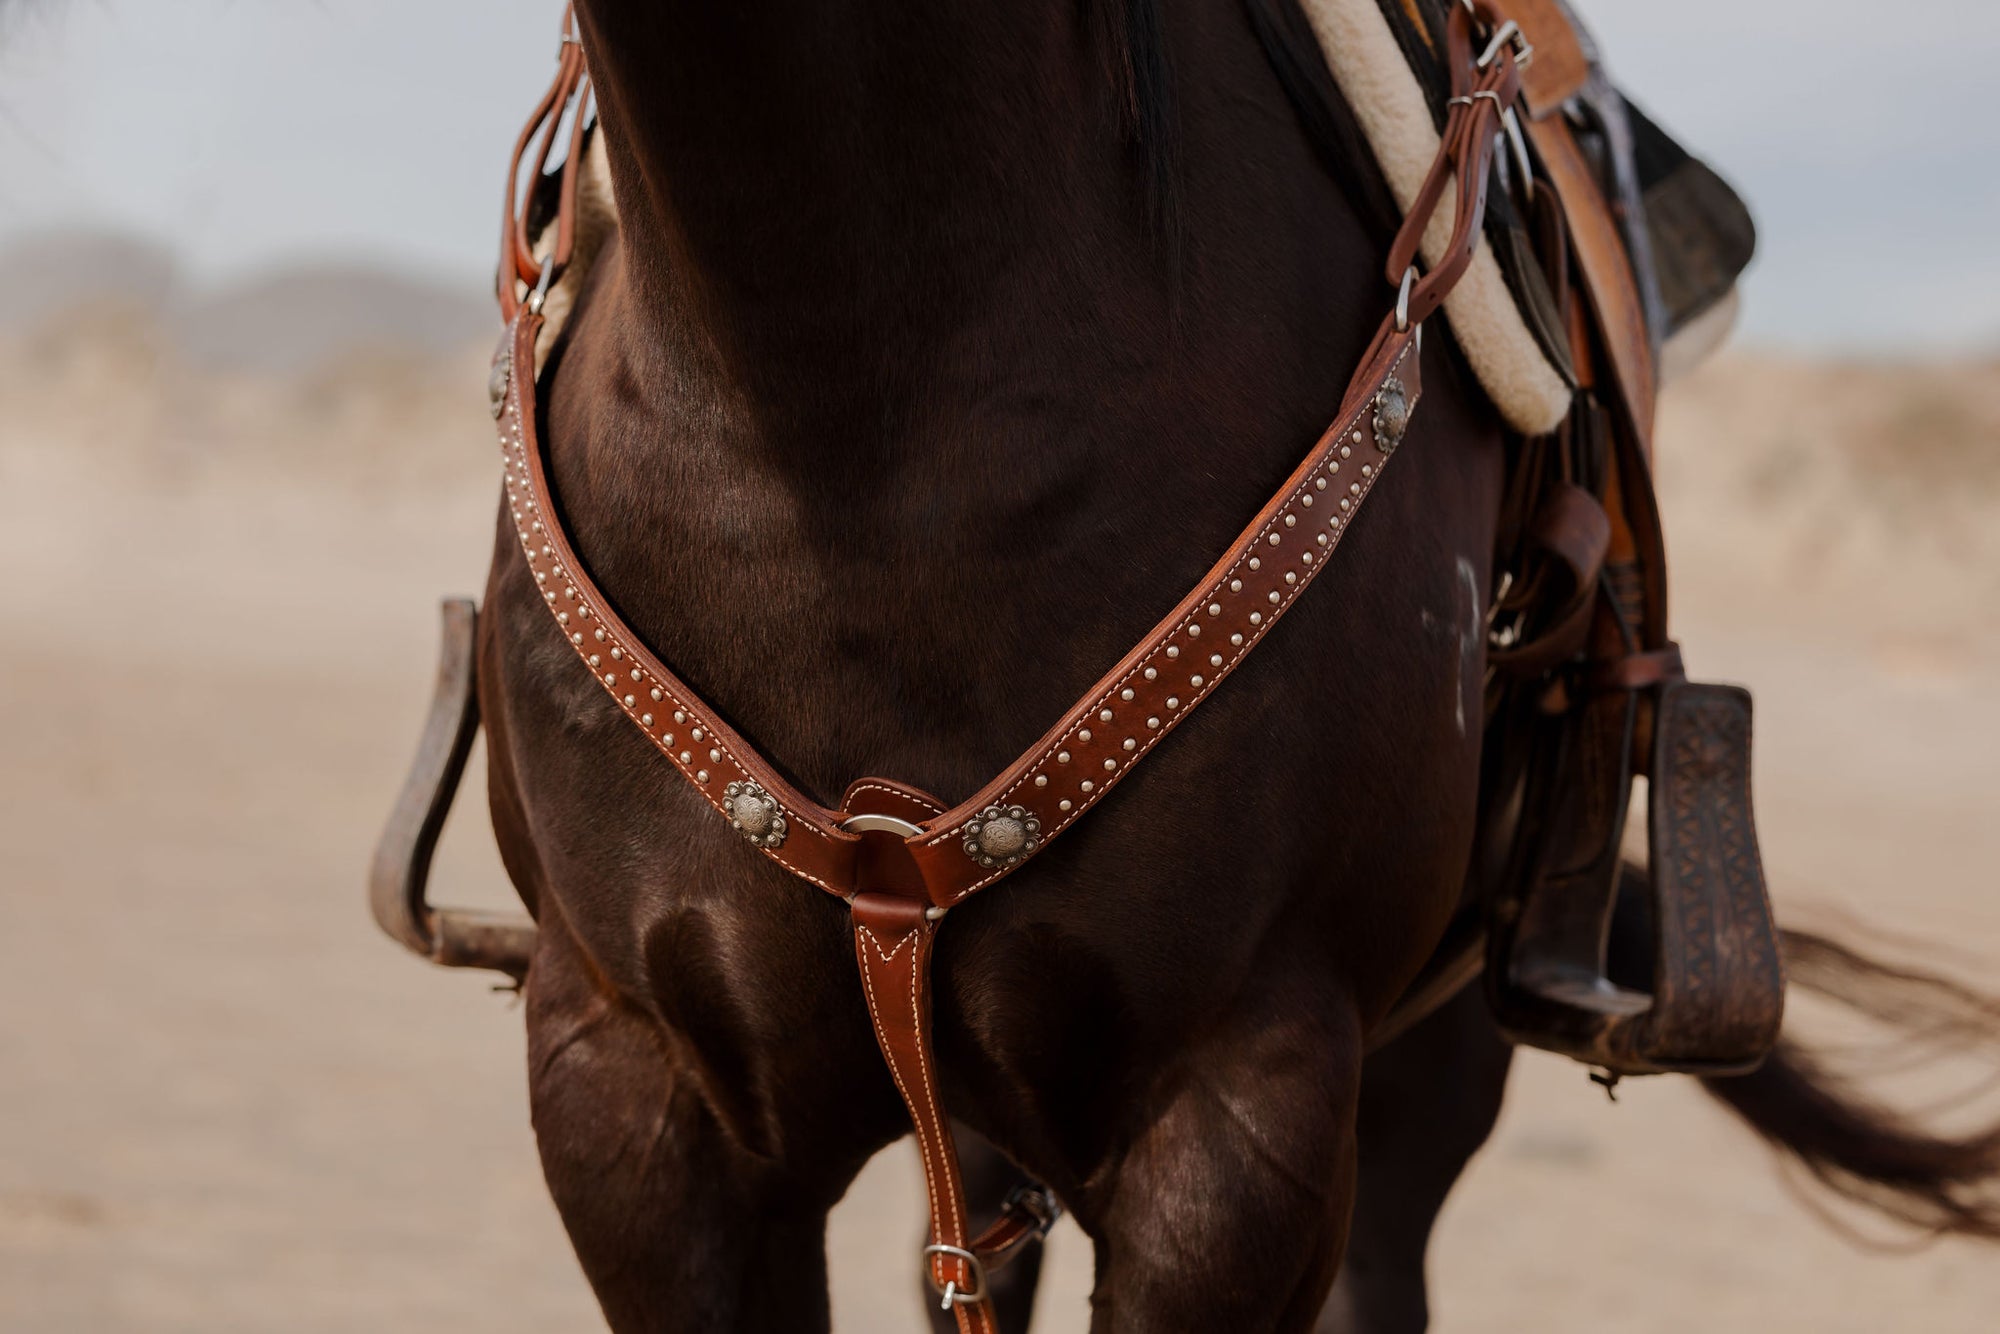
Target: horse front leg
<point x="1229" y="1208"/>
<point x="1428" y="1102"/>
<point x="676" y="1228"/>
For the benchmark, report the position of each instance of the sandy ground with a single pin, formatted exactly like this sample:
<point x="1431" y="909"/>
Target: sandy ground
<point x="227" y="1104"/>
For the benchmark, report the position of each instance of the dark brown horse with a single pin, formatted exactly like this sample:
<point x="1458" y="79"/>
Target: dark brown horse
<point x="930" y="332"/>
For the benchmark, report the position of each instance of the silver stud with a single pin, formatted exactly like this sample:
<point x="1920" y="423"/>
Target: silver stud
<point x="1392" y="415"/>
<point x="630" y="701"/>
<point x="1256" y="618"/>
<point x="599" y="634"/>
<point x="680" y="717"/>
<point x="753" y="812"/>
<point x="1354" y="488"/>
<point x="697" y="734"/>
<point x="1083" y="734"/>
<point x="1291" y="577"/>
<point x="1194" y="631"/>
<point x="686" y="756"/>
<point x="714" y="756"/>
<point x="1215" y="609"/>
<point x="1062" y="757"/>
<point x="667" y="739"/>
<point x="1130" y="744"/>
<point x="1041" y="780"/>
<point x="1319" y="483"/>
<point x="1151" y="672"/>
<point x="1367" y="470"/>
<point x="1215" y="659"/>
<point x="1236" y="585"/>
<point x="1153" y="723"/>
<point x="1086" y="786"/>
<point x="1195" y="681"/>
<point x="1255" y="563"/>
<point x="1343" y="448"/>
<point x="1110" y="765"/>
<point x="576" y="639"/>
<point x="1237" y="640"/>
<point x="1173" y="651"/>
<point x="1291" y="521"/>
<point x="657" y="694"/>
<point x="610" y="678"/>
<point x="637" y="674"/>
<point x="1345" y="502"/>
<point x="701" y="776"/>
<point x="1307" y="501"/>
<point x="1347" y="453"/>
<point x="1173" y="702"/>
<point x="1275" y="597"/>
<point x="596" y="661"/>
<point x="1064" y="804"/>
<point x="562" y="618"/>
<point x="645" y="720"/>
<point x="1002" y="835"/>
<point x="1126" y="693"/>
<point x="1273" y="539"/>
<point x="617" y="653"/>
<point x="1104" y="716"/>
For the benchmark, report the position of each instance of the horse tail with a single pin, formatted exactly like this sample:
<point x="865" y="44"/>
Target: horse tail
<point x="1894" y="1162"/>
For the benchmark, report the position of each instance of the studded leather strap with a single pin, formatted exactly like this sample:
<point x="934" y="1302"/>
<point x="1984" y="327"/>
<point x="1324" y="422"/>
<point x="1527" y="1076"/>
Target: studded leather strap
<point x="901" y="881"/>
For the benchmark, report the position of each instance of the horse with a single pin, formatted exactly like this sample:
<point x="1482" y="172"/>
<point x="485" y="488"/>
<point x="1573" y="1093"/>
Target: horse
<point x="937" y="349"/>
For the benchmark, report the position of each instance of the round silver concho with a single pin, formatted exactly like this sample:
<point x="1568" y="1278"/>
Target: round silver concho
<point x="496" y="382"/>
<point x="1002" y="835"/>
<point x="754" y="813"/>
<point x="1392" y="415"/>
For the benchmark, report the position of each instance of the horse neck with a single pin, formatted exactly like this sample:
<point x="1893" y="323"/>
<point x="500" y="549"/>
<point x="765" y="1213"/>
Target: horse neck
<point x="813" y="197"/>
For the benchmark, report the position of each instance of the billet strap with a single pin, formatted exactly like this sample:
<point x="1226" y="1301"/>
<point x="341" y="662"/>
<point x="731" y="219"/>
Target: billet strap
<point x="523" y="275"/>
<point x="899" y="861"/>
<point x="1608" y="280"/>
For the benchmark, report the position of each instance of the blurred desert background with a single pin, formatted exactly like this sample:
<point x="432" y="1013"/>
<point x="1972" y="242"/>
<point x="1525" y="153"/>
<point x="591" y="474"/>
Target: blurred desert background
<point x="228" y="1104"/>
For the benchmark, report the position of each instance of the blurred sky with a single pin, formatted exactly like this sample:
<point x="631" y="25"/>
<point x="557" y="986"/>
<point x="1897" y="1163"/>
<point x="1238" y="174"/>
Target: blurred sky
<point x="252" y="133"/>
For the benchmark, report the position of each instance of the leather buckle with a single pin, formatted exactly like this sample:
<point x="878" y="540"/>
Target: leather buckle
<point x="952" y="1294"/>
<point x="1508" y="34"/>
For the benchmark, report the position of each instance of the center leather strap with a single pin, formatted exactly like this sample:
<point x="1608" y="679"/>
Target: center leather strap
<point x="892" y="942"/>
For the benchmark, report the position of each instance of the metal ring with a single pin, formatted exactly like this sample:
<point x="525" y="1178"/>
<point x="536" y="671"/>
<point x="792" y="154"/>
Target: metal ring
<point x="950" y="1291"/>
<point x="881" y="824"/>
<point x="542" y="285"/>
<point x="1403" y="299"/>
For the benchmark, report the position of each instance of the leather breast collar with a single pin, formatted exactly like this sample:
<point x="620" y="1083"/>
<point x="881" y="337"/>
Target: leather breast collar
<point x="897" y="855"/>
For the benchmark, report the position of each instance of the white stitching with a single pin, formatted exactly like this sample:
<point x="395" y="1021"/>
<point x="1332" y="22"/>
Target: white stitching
<point x="913" y="798"/>
<point x="1252" y="636"/>
<point x="516" y="441"/>
<point x="875" y="1013"/>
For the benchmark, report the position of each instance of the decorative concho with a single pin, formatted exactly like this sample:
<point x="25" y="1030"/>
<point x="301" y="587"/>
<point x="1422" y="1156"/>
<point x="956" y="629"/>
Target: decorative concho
<point x="496" y="381"/>
<point x="753" y="813"/>
<point x="1392" y="415"/>
<point x="1002" y="835"/>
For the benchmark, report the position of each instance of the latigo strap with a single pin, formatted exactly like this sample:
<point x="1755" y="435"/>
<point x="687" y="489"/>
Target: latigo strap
<point x="890" y="852"/>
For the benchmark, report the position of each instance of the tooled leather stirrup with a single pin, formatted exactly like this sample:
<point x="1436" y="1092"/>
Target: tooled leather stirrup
<point x="895" y="855"/>
<point x="1613" y="701"/>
